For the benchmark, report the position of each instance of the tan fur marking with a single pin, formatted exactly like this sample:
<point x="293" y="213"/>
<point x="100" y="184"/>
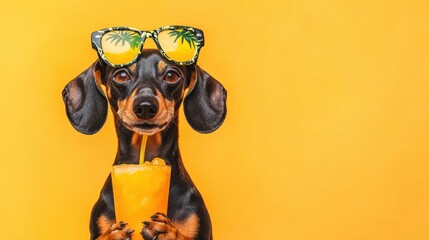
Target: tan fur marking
<point x="161" y="66"/>
<point x="136" y="140"/>
<point x="104" y="224"/>
<point x="97" y="76"/>
<point x="192" y="82"/>
<point x="166" y="108"/>
<point x="109" y="95"/>
<point x="155" y="139"/>
<point x="127" y="104"/>
<point x="133" y="67"/>
<point x="188" y="227"/>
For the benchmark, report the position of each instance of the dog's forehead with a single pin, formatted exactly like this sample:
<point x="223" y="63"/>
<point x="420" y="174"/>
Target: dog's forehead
<point x="150" y="61"/>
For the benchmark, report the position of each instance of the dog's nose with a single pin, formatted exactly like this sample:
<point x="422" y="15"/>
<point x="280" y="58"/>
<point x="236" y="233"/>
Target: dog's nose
<point x="146" y="110"/>
<point x="146" y="105"/>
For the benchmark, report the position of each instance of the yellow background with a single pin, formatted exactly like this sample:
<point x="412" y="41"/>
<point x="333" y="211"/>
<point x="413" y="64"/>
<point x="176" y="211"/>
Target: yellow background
<point x="326" y="137"/>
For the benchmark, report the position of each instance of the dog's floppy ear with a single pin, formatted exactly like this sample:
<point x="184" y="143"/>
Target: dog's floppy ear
<point x="205" y="102"/>
<point x="86" y="104"/>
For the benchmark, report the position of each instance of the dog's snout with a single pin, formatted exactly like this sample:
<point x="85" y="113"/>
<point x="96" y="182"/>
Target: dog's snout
<point x="146" y="104"/>
<point x="145" y="92"/>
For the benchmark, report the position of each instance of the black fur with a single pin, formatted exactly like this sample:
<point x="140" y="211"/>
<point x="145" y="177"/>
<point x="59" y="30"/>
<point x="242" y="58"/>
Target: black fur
<point x="205" y="107"/>
<point x="86" y="104"/>
<point x="205" y="110"/>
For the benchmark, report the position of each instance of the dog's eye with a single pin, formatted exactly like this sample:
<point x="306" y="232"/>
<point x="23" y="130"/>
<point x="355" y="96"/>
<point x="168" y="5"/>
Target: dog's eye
<point x="122" y="76"/>
<point x="171" y="77"/>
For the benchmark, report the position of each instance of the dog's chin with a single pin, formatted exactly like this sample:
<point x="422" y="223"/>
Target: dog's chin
<point x="146" y="128"/>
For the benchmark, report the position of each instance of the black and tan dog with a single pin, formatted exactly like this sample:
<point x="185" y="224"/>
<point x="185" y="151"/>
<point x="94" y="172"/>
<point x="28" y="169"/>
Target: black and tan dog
<point x="145" y="98"/>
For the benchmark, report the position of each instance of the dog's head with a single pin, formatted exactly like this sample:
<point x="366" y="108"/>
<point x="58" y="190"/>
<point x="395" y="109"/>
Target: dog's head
<point x="145" y="96"/>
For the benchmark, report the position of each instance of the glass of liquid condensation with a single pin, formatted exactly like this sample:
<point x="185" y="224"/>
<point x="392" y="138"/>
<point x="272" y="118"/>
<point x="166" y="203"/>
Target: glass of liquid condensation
<point x="139" y="191"/>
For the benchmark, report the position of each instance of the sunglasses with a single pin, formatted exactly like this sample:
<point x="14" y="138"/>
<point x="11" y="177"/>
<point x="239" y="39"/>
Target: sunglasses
<point x="121" y="46"/>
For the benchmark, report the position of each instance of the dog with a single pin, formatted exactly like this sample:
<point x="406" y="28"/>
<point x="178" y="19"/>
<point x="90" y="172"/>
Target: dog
<point x="145" y="98"/>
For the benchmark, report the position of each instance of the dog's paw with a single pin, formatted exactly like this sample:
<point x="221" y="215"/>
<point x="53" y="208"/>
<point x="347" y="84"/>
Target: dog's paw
<point x="118" y="231"/>
<point x="160" y="228"/>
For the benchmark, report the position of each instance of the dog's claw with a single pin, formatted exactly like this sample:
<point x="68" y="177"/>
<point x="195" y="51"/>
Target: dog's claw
<point x="159" y="213"/>
<point x="128" y="232"/>
<point x="119" y="226"/>
<point x="122" y="224"/>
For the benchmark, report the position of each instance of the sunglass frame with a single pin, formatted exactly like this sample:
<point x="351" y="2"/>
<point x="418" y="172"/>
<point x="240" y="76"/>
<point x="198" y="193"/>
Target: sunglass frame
<point x="98" y="35"/>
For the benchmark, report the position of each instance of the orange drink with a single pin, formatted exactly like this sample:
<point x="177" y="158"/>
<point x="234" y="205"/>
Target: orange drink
<point x="140" y="191"/>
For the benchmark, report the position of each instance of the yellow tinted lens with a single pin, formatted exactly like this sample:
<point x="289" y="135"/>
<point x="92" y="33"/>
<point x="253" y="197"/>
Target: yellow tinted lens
<point x="179" y="44"/>
<point x="121" y="47"/>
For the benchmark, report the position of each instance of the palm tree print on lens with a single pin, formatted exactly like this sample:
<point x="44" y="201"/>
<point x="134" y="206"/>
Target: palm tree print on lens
<point x="186" y="35"/>
<point x="132" y="38"/>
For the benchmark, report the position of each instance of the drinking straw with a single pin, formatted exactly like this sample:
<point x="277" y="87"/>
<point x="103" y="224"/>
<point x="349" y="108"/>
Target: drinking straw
<point x="143" y="148"/>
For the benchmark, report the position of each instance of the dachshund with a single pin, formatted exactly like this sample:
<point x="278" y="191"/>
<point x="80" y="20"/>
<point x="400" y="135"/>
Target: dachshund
<point x="145" y="98"/>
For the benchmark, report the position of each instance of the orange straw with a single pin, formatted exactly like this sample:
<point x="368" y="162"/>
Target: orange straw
<point x="143" y="148"/>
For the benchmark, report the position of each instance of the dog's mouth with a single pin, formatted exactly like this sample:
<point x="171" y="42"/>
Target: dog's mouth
<point x="146" y="127"/>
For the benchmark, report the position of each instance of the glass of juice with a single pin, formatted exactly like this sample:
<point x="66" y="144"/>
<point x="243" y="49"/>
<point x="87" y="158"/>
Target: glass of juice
<point x="140" y="191"/>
